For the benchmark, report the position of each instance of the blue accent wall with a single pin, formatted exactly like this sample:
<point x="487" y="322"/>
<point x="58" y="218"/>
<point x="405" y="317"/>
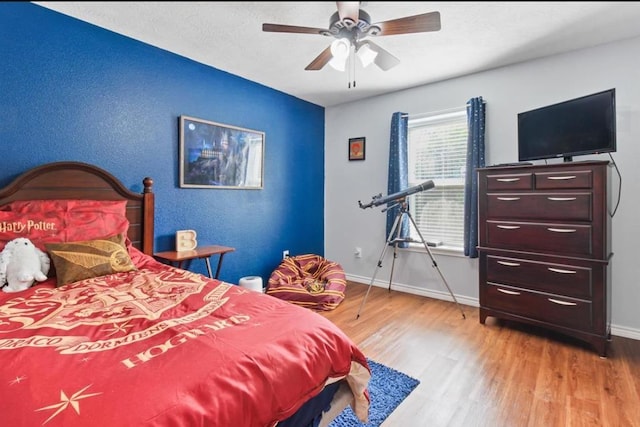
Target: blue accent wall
<point x="71" y="91"/>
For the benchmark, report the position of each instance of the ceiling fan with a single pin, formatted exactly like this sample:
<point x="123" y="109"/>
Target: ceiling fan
<point x="351" y="27"/>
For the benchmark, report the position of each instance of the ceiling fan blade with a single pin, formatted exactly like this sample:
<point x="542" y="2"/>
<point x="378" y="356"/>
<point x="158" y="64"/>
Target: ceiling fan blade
<point x="349" y="12"/>
<point x="383" y="59"/>
<point x="321" y="60"/>
<point x="278" y="28"/>
<point x="410" y="24"/>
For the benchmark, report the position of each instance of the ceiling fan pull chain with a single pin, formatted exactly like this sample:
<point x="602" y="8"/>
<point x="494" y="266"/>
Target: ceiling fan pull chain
<point x="354" y="73"/>
<point x="353" y="65"/>
<point x="349" y="66"/>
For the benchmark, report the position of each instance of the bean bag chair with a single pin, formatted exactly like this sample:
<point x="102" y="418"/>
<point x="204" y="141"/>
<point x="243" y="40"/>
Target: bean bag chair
<point x="309" y="281"/>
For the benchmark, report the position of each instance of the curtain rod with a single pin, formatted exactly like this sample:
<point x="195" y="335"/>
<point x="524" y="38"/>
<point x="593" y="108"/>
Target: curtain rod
<point x="433" y="113"/>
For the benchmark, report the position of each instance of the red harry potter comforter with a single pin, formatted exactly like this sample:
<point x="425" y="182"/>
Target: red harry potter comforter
<point x="164" y="347"/>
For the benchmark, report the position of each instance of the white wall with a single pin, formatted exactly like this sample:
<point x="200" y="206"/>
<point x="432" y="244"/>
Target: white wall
<point x="506" y="91"/>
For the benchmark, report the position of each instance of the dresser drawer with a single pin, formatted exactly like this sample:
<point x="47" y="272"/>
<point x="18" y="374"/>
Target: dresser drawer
<point x="570" y="280"/>
<point x="559" y="310"/>
<point x="569" y="240"/>
<point x="567" y="179"/>
<point x="512" y="181"/>
<point x="542" y="206"/>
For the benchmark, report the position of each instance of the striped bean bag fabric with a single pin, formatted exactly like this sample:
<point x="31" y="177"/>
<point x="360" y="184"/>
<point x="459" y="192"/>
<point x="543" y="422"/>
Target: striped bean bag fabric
<point x="309" y="281"/>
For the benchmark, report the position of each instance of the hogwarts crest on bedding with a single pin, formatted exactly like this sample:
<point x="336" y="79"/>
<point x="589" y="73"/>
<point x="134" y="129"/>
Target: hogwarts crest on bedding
<point x="208" y="352"/>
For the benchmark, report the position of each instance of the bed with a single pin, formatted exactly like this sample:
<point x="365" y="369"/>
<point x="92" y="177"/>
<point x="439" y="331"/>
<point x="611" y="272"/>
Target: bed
<point x="151" y="344"/>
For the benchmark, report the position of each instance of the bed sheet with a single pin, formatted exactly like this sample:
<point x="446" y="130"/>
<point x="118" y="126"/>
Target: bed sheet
<point x="161" y="346"/>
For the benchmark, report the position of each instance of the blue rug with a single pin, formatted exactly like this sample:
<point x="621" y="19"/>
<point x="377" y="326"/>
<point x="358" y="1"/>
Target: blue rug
<point x="387" y="389"/>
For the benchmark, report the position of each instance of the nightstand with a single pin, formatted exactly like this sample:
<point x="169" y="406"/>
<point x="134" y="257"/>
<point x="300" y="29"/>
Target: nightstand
<point x="180" y="257"/>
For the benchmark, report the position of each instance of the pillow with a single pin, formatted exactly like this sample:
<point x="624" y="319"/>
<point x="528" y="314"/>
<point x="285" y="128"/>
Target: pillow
<point x="86" y="259"/>
<point x="38" y="227"/>
<point x="54" y="221"/>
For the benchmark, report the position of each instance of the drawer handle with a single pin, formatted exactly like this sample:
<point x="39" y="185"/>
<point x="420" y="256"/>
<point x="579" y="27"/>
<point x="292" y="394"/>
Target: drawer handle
<point x="561" y="199"/>
<point x="508" y="179"/>
<point x="561" y="177"/>
<point x="557" y="270"/>
<point x="509" y="264"/>
<point x="557" y="301"/>
<point x="562" y="230"/>
<point x="509" y="227"/>
<point x="504" y="291"/>
<point x="508" y="199"/>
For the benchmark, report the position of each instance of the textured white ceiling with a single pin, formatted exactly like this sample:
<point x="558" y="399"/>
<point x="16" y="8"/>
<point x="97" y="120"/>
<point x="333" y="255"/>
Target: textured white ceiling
<point x="475" y="36"/>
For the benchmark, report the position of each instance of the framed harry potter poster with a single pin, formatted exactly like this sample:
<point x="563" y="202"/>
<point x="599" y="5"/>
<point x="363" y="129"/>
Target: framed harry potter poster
<point x="214" y="155"/>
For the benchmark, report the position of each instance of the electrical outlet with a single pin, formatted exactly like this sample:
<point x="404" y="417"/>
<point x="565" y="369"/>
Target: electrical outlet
<point x="358" y="252"/>
<point x="285" y="254"/>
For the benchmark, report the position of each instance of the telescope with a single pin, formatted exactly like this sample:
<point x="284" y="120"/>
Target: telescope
<point x="379" y="200"/>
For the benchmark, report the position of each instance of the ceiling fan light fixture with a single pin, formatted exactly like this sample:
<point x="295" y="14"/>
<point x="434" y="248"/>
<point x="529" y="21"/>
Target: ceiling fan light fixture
<point x="338" y="64"/>
<point x="366" y="54"/>
<point x="340" y="49"/>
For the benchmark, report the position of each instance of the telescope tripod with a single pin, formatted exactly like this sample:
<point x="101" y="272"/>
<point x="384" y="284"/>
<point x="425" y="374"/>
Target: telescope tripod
<point x="396" y="230"/>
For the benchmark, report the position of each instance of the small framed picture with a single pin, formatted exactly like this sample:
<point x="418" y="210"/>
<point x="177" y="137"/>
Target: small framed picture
<point x="356" y="148"/>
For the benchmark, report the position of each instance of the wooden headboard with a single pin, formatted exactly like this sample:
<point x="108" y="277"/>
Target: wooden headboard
<point x="76" y="180"/>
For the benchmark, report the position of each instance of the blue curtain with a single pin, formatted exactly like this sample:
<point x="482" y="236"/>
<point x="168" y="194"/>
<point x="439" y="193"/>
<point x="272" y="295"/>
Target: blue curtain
<point x="398" y="179"/>
<point x="475" y="159"/>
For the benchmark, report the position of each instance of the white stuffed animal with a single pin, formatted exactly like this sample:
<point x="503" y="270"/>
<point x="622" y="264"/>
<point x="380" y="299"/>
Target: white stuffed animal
<point x="21" y="264"/>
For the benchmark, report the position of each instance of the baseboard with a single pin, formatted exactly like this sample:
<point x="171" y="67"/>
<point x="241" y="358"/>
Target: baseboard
<point x="618" y="331"/>
<point x="442" y="295"/>
<point x="623" y="331"/>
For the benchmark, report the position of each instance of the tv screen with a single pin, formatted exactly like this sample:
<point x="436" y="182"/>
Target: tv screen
<point x="585" y="125"/>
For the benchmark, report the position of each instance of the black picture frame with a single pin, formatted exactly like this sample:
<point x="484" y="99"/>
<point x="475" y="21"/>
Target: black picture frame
<point x="357" y="148"/>
<point x="215" y="155"/>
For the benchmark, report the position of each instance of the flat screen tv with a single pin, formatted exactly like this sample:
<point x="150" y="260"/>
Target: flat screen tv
<point x="580" y="126"/>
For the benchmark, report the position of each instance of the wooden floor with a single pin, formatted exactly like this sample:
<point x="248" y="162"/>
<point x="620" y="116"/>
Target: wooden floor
<point x="501" y="374"/>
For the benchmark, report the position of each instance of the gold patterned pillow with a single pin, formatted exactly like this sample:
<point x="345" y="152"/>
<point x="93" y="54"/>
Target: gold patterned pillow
<point x="76" y="261"/>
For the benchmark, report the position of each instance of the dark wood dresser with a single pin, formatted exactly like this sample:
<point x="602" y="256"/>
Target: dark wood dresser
<point x="544" y="247"/>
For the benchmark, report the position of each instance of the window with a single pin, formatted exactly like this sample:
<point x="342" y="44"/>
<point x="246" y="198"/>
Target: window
<point x="437" y="150"/>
